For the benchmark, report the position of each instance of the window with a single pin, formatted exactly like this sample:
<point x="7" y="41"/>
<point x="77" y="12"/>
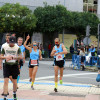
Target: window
<point x="90" y="6"/>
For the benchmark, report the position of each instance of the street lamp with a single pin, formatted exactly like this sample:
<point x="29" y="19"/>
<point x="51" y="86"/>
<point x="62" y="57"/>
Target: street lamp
<point x="63" y="29"/>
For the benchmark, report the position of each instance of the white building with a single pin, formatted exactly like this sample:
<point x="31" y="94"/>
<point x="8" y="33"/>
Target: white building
<point x="72" y="5"/>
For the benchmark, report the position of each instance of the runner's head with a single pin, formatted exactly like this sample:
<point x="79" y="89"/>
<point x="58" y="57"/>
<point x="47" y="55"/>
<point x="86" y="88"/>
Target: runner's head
<point x="34" y="45"/>
<point x="57" y="42"/>
<point x="12" y="41"/>
<point x="7" y="37"/>
<point x="20" y="41"/>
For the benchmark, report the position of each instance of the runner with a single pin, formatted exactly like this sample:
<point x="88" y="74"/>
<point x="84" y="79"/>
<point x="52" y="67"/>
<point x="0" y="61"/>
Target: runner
<point x="11" y="53"/>
<point x="35" y="55"/>
<point x="5" y="44"/>
<point x="20" y="41"/>
<point x="58" y="52"/>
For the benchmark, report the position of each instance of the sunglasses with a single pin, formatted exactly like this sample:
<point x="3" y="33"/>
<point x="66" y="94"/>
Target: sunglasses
<point x="56" y="42"/>
<point x="34" y="45"/>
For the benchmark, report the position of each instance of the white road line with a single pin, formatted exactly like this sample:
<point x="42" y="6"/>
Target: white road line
<point x="67" y="75"/>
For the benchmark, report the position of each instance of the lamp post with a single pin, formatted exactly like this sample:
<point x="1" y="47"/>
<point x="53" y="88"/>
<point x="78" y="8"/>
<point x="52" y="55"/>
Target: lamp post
<point x="63" y="29"/>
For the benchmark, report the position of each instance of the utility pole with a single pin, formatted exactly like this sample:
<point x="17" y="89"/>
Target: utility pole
<point x="63" y="29"/>
<point x="98" y="35"/>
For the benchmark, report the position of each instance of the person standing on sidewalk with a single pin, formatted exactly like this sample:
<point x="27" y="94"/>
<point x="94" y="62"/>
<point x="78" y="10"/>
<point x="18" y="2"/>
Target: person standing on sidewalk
<point x="58" y="52"/>
<point x="35" y="55"/>
<point x="22" y="61"/>
<point x="11" y="53"/>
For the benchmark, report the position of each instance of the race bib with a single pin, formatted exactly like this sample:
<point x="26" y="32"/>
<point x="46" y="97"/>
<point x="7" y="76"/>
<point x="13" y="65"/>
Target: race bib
<point x="34" y="62"/>
<point x="59" y="57"/>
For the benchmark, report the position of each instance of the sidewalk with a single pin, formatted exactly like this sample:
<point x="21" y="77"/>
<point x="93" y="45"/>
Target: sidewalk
<point x="44" y="91"/>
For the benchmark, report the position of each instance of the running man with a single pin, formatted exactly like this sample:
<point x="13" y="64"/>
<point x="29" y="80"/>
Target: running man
<point x="35" y="56"/>
<point x="58" y="52"/>
<point x="20" y="41"/>
<point x="4" y="45"/>
<point x="11" y="53"/>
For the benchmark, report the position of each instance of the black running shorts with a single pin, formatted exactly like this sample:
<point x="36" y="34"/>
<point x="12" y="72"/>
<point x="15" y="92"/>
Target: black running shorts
<point x="11" y="70"/>
<point x="59" y="63"/>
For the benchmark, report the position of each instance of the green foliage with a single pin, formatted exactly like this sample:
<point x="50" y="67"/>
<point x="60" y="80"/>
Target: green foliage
<point x="53" y="19"/>
<point x="17" y="18"/>
<point x="50" y="18"/>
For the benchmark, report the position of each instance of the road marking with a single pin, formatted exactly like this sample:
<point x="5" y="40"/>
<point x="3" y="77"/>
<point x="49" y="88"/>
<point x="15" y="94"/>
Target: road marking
<point x="66" y="75"/>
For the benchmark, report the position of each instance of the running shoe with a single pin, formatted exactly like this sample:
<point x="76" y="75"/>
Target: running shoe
<point x="32" y="87"/>
<point x="5" y="99"/>
<point x="14" y="97"/>
<point x="55" y="89"/>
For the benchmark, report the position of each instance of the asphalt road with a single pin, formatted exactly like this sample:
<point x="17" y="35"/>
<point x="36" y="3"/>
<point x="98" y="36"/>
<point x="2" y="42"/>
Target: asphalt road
<point x="46" y="73"/>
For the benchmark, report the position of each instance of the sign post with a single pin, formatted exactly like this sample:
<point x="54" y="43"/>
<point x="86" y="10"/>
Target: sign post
<point x="98" y="35"/>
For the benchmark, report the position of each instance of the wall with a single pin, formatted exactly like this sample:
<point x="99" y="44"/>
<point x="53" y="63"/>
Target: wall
<point x="72" y="5"/>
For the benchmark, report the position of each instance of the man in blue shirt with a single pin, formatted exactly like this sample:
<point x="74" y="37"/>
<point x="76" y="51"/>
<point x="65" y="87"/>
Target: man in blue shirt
<point x="19" y="42"/>
<point x="92" y="50"/>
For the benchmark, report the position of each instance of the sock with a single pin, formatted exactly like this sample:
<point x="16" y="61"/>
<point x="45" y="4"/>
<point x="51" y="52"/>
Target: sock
<point x="32" y="83"/>
<point x="56" y="84"/>
<point x="5" y="96"/>
<point x="61" y="81"/>
<point x="18" y="78"/>
<point x="14" y="94"/>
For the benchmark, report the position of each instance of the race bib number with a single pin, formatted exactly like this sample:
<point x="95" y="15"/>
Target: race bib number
<point x="59" y="57"/>
<point x="34" y="62"/>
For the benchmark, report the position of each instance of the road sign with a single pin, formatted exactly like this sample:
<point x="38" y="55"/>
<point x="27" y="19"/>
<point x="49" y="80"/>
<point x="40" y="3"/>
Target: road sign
<point x="86" y="40"/>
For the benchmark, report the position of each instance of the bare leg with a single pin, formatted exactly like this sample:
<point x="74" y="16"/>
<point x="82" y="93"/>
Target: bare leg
<point x="6" y="80"/>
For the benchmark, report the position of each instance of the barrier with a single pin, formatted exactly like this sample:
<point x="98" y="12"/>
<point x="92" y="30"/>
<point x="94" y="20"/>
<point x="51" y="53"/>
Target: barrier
<point x="91" y="61"/>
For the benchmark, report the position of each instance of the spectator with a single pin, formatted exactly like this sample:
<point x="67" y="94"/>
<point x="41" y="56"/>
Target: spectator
<point x="82" y="54"/>
<point x="49" y="49"/>
<point x="71" y="49"/>
<point x="92" y="51"/>
<point x="41" y="47"/>
<point x="43" y="53"/>
<point x="86" y="49"/>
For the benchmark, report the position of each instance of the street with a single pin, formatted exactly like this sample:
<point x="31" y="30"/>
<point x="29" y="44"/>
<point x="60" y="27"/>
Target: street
<point x="46" y="74"/>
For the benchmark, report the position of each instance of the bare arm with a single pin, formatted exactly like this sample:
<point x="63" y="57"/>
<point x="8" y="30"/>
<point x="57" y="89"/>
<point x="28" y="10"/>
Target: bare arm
<point x="24" y="57"/>
<point x="28" y="48"/>
<point x="40" y="55"/>
<point x="53" y="51"/>
<point x="64" y="50"/>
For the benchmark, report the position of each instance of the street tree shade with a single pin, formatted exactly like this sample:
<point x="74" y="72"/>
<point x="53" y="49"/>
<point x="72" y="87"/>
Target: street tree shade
<point x="16" y="18"/>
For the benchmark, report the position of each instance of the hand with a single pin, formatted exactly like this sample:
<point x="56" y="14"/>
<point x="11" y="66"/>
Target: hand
<point x="9" y="57"/>
<point x="54" y="51"/>
<point x="40" y="57"/>
<point x="28" y="37"/>
<point x="55" y="54"/>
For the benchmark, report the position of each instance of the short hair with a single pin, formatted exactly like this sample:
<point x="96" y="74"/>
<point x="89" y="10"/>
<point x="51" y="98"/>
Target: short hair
<point x="34" y="42"/>
<point x="8" y="34"/>
<point x="57" y="39"/>
<point x="19" y="38"/>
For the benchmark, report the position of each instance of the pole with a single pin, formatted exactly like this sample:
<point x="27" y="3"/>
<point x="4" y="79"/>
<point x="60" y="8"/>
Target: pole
<point x="98" y="34"/>
<point x="63" y="36"/>
<point x="63" y="30"/>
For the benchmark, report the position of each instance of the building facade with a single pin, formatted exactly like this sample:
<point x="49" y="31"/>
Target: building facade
<point x="32" y="4"/>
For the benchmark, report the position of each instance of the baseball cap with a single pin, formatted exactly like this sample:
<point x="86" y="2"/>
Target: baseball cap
<point x="12" y="39"/>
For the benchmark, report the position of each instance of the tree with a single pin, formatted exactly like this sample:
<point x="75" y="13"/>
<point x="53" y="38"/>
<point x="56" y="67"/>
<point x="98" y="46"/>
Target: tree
<point x="16" y="18"/>
<point x="80" y="20"/>
<point x="51" y="19"/>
